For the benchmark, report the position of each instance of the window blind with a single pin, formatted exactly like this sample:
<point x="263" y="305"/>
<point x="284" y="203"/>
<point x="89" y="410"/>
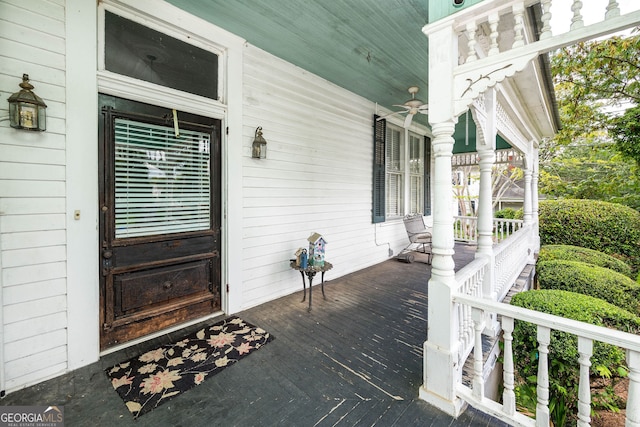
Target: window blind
<point x="416" y="169"/>
<point x="395" y="173"/>
<point x="162" y="183"/>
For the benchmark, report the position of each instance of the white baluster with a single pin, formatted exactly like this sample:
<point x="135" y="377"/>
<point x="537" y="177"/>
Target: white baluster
<point x="542" y="408"/>
<point x="460" y="310"/>
<point x="633" y="397"/>
<point x="494" y="18"/>
<point x="478" y="377"/>
<point x="545" y="31"/>
<point x="613" y="9"/>
<point x="585" y="348"/>
<point x="508" y="396"/>
<point x="471" y="44"/>
<point x="576" y="21"/>
<point x="518" y="12"/>
<point x="468" y="326"/>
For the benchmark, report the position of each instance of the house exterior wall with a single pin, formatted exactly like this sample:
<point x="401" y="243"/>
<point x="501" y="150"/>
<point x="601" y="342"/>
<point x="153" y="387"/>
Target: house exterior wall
<point x="316" y="178"/>
<point x="33" y="195"/>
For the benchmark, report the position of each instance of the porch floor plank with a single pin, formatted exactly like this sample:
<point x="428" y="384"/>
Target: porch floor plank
<point x="354" y="360"/>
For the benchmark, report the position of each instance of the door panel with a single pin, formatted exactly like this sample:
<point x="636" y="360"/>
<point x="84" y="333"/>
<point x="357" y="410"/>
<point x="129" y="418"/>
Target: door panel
<point x="160" y="218"/>
<point x="139" y="290"/>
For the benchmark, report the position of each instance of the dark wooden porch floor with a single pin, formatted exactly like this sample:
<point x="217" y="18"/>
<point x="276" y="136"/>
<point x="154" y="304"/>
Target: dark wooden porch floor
<point x="355" y="359"/>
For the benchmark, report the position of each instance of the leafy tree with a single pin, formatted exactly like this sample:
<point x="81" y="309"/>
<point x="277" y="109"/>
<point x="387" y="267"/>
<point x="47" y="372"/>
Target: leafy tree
<point x="462" y="177"/>
<point x="593" y="79"/>
<point x="503" y="177"/>
<point x="596" y="154"/>
<point x="590" y="171"/>
<point x="626" y="133"/>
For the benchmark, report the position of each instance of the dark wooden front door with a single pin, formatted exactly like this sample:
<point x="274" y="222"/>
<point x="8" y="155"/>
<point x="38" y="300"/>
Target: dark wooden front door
<point x="160" y="214"/>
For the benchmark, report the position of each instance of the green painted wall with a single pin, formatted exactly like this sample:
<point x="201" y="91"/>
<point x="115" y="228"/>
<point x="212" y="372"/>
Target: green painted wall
<point x="438" y="9"/>
<point x="464" y="144"/>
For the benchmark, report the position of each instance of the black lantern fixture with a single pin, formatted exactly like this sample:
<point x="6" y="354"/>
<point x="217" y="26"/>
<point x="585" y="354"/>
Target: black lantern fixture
<point x="26" y="109"/>
<point x="259" y="147"/>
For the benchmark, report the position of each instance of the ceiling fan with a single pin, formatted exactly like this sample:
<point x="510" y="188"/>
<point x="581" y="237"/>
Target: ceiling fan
<point x="411" y="107"/>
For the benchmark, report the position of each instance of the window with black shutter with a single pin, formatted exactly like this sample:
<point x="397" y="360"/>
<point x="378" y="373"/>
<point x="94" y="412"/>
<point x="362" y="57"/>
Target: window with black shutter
<point x="401" y="172"/>
<point x="379" y="169"/>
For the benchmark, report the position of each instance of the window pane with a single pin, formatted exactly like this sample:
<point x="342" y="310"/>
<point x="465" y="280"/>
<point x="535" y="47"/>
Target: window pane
<point x="395" y="172"/>
<point x="162" y="183"/>
<point x="395" y="160"/>
<point x="416" y="155"/>
<point x="416" y="203"/>
<point x="137" y="51"/>
<point x="416" y="170"/>
<point x="395" y="201"/>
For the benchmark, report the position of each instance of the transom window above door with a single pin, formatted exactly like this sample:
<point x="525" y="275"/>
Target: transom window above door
<point x="133" y="50"/>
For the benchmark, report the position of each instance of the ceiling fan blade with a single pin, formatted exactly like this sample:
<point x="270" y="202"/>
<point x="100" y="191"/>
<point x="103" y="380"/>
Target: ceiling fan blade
<point x="391" y="114"/>
<point x="407" y="120"/>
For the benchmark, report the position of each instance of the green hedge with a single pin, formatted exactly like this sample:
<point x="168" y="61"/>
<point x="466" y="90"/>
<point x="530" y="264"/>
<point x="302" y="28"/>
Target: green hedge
<point x="564" y="369"/>
<point x="587" y="279"/>
<point x="589" y="256"/>
<point x="606" y="227"/>
<point x="509" y="213"/>
<point x="574" y="306"/>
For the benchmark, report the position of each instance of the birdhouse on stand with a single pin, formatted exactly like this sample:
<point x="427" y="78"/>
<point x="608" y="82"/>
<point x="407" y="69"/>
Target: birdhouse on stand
<point x="301" y="258"/>
<point x="316" y="249"/>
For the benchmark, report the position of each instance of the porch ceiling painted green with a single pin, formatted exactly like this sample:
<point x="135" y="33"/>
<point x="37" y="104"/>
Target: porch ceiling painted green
<point x="442" y="8"/>
<point x="374" y="48"/>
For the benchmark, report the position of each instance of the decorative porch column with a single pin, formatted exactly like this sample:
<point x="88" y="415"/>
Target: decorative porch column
<point x="442" y="367"/>
<point x="441" y="364"/>
<point x="534" y="198"/>
<point x="485" y="147"/>
<point x="485" y="202"/>
<point x="528" y="194"/>
<point x="530" y="222"/>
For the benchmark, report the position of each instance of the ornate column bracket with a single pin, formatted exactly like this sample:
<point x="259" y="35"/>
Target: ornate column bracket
<point x="472" y="79"/>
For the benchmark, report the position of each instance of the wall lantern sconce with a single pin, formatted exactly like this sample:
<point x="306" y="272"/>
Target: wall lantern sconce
<point x="259" y="147"/>
<point x="26" y="109"/>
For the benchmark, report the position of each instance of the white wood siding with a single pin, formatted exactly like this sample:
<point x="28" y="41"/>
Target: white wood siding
<point x="32" y="196"/>
<point x="317" y="177"/>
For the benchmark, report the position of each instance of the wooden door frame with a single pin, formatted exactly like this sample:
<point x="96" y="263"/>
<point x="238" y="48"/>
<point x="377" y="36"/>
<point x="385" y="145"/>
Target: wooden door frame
<point x="163" y="316"/>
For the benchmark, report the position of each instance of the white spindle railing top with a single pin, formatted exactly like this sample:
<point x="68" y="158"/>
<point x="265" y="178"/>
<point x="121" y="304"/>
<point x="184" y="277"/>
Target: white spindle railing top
<point x="569" y="15"/>
<point x="504" y="19"/>
<point x="586" y="333"/>
<point x="574" y="327"/>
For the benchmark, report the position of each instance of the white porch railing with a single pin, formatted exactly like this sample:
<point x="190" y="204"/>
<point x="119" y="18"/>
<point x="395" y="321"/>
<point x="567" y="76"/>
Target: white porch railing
<point x="492" y="44"/>
<point x="586" y="333"/>
<point x="472" y="309"/>
<point x="465" y="228"/>
<point x="510" y="257"/>
<point x="469" y="280"/>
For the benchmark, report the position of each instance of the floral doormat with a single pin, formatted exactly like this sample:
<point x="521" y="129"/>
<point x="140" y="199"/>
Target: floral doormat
<point x="153" y="378"/>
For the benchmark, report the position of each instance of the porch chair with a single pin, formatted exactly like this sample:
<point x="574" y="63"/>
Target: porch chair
<point x="418" y="234"/>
